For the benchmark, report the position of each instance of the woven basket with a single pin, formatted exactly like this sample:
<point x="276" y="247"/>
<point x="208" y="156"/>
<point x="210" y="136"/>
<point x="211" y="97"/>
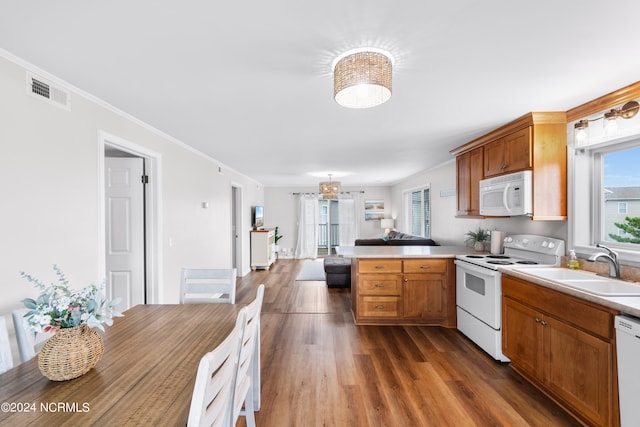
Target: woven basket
<point x="70" y="353"/>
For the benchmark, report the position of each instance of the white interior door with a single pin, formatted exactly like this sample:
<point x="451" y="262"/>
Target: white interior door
<point x="125" y="230"/>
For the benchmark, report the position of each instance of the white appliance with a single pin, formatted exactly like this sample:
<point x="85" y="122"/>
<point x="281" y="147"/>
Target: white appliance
<point x="479" y="286"/>
<point x="628" y="350"/>
<point x="507" y="195"/>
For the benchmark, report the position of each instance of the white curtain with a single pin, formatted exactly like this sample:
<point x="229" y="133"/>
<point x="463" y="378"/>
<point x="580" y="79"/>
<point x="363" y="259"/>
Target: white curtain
<point x="307" y="245"/>
<point x="348" y="214"/>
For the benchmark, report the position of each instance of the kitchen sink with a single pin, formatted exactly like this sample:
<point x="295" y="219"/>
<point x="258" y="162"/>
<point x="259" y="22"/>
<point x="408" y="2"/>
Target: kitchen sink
<point x="585" y="281"/>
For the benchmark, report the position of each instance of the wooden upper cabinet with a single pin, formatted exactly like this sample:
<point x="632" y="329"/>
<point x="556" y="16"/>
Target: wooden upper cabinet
<point x="536" y="142"/>
<point x="508" y="154"/>
<point x="470" y="168"/>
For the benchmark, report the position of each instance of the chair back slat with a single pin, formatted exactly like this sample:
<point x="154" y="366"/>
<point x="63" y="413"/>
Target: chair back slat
<point x="6" y="360"/>
<point x="248" y="369"/>
<point x="208" y="285"/>
<point x="213" y="390"/>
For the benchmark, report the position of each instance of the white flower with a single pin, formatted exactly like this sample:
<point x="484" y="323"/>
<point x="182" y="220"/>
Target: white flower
<point x="59" y="307"/>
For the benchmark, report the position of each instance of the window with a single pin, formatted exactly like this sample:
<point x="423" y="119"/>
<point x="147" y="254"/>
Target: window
<point x="619" y="188"/>
<point x="608" y="210"/>
<point x="418" y="212"/>
<point x="622" y="207"/>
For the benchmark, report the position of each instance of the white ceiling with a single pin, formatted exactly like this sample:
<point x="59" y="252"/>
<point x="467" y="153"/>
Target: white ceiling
<point x="250" y="83"/>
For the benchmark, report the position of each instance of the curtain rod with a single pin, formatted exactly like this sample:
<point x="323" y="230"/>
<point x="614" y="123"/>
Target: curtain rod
<point x="319" y="194"/>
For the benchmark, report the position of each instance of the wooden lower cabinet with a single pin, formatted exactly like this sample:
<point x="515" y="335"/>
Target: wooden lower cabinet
<point x="569" y="361"/>
<point x="407" y="291"/>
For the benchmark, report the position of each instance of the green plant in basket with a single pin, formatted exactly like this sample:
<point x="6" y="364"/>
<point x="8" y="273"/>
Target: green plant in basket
<point x="59" y="307"/>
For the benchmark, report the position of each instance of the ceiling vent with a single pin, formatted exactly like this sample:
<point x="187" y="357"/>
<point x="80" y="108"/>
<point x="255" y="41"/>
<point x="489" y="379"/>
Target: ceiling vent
<point x="42" y="89"/>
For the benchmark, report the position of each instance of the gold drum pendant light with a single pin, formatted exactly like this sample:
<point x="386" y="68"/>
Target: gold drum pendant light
<point x="362" y="78"/>
<point x="329" y="189"/>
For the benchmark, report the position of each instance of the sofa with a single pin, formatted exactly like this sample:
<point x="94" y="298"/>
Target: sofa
<point x="338" y="270"/>
<point x="395" y="238"/>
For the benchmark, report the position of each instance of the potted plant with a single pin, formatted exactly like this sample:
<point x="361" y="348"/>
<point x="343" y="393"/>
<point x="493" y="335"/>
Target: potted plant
<point x="477" y="238"/>
<point x="75" y="347"/>
<point x="276" y="237"/>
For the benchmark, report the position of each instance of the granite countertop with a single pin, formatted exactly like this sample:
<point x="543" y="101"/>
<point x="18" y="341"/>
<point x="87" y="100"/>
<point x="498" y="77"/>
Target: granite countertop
<point x="403" y="251"/>
<point x="628" y="305"/>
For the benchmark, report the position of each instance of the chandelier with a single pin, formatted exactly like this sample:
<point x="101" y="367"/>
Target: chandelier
<point x="330" y="189"/>
<point x="362" y="78"/>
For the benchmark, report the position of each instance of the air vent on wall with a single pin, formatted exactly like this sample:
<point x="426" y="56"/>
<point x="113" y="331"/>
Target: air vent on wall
<point x="42" y="89"/>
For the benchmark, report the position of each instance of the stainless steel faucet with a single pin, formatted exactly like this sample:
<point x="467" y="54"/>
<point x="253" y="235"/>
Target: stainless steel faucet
<point x="611" y="257"/>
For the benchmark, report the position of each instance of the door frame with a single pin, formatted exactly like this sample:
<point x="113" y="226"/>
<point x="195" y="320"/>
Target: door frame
<point x="237" y="210"/>
<point x="153" y="194"/>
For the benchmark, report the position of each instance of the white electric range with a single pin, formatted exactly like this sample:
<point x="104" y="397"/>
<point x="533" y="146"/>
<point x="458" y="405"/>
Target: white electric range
<point x="479" y="286"/>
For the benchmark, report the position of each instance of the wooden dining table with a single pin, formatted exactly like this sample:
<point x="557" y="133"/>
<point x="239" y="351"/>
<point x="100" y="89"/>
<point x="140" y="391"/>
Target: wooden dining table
<point x="145" y="377"/>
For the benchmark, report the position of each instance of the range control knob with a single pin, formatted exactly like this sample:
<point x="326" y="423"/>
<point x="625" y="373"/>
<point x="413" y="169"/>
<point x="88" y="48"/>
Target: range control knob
<point x="545" y="244"/>
<point x="552" y="245"/>
<point x="525" y="242"/>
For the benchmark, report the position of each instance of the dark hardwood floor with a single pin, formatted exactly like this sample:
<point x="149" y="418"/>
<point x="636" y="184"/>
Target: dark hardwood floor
<point x="319" y="369"/>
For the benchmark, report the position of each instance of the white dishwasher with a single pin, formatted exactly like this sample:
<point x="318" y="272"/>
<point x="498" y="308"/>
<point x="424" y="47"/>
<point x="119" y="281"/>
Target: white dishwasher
<point x="628" y="349"/>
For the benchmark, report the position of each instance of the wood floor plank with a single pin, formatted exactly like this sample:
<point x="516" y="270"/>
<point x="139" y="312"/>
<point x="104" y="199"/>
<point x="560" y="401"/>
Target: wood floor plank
<point x="319" y="369"/>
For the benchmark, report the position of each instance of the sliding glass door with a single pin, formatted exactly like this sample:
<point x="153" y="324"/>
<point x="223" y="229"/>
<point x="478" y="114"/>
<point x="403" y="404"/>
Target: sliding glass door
<point x="328" y="227"/>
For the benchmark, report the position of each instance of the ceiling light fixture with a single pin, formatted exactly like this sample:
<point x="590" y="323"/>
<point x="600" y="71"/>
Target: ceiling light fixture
<point x="330" y="189"/>
<point x="362" y="78"/>
<point x="610" y="122"/>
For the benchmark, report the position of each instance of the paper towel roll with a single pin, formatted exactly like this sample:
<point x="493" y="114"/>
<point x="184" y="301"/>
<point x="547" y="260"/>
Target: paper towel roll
<point x="497" y="238"/>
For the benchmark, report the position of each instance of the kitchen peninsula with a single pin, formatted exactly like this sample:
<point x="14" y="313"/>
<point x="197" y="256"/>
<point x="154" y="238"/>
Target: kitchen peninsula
<point x="403" y="285"/>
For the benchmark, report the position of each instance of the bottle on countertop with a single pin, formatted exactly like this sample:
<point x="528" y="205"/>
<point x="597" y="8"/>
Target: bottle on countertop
<point x="573" y="263"/>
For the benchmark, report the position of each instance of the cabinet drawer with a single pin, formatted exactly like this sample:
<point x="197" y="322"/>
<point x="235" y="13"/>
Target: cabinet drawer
<point x="425" y="266"/>
<point x="371" y="306"/>
<point x="379" y="266"/>
<point x="379" y="284"/>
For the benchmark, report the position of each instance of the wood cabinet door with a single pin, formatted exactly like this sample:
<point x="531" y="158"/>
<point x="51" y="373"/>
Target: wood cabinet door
<point x="495" y="157"/>
<point x="470" y="170"/>
<point x="508" y="154"/>
<point x="522" y="337"/>
<point x="578" y="368"/>
<point x="476" y="160"/>
<point x="463" y="184"/>
<point x="518" y="150"/>
<point x="424" y="296"/>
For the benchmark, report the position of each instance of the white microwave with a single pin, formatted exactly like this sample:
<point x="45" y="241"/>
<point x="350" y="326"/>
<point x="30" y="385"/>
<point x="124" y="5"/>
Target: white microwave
<point x="507" y="195"/>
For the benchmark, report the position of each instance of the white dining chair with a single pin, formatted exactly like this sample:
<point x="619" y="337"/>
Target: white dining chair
<point x="211" y="404"/>
<point x="6" y="360"/>
<point x="29" y="343"/>
<point x="247" y="383"/>
<point x="204" y="285"/>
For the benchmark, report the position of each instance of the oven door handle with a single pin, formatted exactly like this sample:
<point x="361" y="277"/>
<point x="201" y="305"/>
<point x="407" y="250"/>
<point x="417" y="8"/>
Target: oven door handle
<point x="474" y="268"/>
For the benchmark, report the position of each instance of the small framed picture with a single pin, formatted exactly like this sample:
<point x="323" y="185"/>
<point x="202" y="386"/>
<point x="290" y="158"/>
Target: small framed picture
<point x="373" y="210"/>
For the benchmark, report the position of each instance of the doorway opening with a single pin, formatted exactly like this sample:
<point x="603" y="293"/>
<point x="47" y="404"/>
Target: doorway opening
<point x="328" y="227"/>
<point x="130" y="221"/>
<point x="236" y="227"/>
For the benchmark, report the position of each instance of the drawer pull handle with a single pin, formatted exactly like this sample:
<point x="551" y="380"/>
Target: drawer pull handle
<point x="538" y="320"/>
<point x="379" y="307"/>
<point x="379" y="267"/>
<point x="379" y="285"/>
<point x="425" y="266"/>
<point x="543" y="323"/>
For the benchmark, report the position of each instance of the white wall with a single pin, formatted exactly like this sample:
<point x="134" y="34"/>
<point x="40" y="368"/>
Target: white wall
<point x="49" y="182"/>
<point x="446" y="229"/>
<point x="281" y="210"/>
